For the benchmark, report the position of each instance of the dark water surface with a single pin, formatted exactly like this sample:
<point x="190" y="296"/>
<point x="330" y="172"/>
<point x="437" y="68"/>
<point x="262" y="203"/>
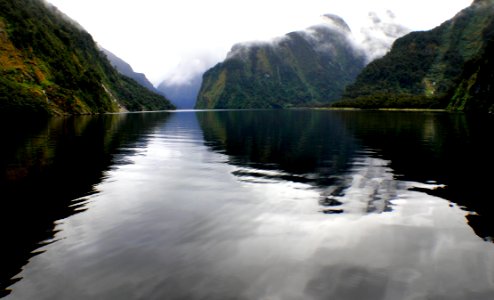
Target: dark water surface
<point x="248" y="205"/>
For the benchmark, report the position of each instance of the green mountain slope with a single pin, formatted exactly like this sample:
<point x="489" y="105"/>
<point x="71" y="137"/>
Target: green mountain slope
<point x="447" y="67"/>
<point x="304" y="68"/>
<point x="50" y="65"/>
<point x="475" y="91"/>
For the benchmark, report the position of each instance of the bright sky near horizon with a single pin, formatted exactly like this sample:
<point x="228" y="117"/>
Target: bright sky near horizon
<point x="175" y="40"/>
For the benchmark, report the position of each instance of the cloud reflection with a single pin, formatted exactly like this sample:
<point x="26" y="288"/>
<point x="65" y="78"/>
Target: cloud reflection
<point x="185" y="221"/>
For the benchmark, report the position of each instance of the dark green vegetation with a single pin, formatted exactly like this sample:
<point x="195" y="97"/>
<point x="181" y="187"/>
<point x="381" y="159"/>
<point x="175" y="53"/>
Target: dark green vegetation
<point x="301" y="69"/>
<point x="449" y="67"/>
<point x="49" y="65"/>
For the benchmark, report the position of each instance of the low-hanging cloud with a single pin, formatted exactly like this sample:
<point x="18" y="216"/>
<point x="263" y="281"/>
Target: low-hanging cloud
<point x="378" y="36"/>
<point x="374" y="39"/>
<point x="190" y="66"/>
<point x="371" y="41"/>
<point x="177" y="40"/>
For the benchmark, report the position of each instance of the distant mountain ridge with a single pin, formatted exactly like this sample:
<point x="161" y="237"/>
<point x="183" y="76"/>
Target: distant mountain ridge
<point x="304" y="68"/>
<point x="50" y="65"/>
<point x="182" y="95"/>
<point x="450" y="66"/>
<point x="125" y="69"/>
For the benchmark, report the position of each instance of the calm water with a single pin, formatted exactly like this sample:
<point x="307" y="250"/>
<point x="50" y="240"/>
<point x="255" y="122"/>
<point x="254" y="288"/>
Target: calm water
<point x="248" y="205"/>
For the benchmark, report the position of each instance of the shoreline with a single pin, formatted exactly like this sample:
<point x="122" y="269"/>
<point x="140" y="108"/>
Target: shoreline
<point x="389" y="109"/>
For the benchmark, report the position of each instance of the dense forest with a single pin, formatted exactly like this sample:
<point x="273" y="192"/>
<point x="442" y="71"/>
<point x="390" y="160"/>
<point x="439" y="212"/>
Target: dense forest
<point x="448" y="67"/>
<point x="50" y="65"/>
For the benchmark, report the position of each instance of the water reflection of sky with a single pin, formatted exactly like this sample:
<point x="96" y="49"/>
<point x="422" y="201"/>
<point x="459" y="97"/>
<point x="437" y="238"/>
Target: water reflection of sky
<point x="181" y="222"/>
<point x="423" y="249"/>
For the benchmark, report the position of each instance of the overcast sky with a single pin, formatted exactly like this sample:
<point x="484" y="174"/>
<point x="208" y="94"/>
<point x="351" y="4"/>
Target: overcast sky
<point x="174" y="40"/>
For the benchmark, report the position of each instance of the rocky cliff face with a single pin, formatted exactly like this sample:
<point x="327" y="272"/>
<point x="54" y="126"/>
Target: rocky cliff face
<point x="300" y="69"/>
<point x="50" y="65"/>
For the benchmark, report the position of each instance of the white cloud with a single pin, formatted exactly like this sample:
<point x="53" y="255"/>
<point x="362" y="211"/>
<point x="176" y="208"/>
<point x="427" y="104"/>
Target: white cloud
<point x="177" y="39"/>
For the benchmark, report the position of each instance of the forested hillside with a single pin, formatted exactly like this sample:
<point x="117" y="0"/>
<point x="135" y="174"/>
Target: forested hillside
<point x="50" y="65"/>
<point x="304" y="68"/>
<point x="447" y="67"/>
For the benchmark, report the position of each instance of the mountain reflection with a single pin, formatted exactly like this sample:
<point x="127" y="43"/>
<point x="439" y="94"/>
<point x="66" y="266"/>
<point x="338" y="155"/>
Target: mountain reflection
<point x="323" y="212"/>
<point x="328" y="150"/>
<point x="46" y="164"/>
<point x="450" y="149"/>
<point x="299" y="146"/>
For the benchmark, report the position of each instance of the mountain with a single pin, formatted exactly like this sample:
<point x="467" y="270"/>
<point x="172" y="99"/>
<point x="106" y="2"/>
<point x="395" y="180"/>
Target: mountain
<point x="182" y="95"/>
<point x="50" y="65"/>
<point x="125" y="69"/>
<point x="303" y="68"/>
<point x="449" y="66"/>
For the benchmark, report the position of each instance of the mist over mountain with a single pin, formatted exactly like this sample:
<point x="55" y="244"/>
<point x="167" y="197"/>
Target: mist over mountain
<point x="183" y="95"/>
<point x="374" y="40"/>
<point x="449" y="66"/>
<point x="50" y="65"/>
<point x="303" y="68"/>
<point x="380" y="33"/>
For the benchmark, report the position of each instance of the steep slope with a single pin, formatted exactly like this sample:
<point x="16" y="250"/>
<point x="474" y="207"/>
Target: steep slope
<point x="50" y="65"/>
<point x="125" y="69"/>
<point x="446" y="67"/>
<point x="304" y="68"/>
<point x="476" y="89"/>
